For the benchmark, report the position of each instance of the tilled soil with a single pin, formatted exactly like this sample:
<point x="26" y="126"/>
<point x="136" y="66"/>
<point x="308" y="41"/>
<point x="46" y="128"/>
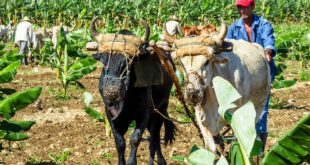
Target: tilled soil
<point x="63" y="128"/>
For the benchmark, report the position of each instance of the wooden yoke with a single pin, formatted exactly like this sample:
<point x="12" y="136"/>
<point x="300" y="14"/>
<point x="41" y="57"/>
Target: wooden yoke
<point x="169" y="68"/>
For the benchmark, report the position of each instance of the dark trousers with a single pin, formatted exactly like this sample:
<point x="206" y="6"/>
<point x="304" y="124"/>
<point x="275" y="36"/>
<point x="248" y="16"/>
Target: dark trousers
<point x="23" y="49"/>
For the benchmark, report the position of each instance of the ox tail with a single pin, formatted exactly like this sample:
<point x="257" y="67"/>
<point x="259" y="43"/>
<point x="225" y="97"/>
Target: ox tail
<point x="170" y="131"/>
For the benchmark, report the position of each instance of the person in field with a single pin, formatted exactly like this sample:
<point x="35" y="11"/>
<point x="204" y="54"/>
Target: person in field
<point x="3" y="31"/>
<point x="173" y="26"/>
<point x="11" y="29"/>
<point x="23" y="37"/>
<point x="255" y="29"/>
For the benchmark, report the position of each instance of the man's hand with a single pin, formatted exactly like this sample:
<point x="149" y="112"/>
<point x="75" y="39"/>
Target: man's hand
<point x="268" y="54"/>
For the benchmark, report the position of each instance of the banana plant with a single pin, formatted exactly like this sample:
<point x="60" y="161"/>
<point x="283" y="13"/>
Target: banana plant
<point x="11" y="102"/>
<point x="293" y="147"/>
<point x="10" y="129"/>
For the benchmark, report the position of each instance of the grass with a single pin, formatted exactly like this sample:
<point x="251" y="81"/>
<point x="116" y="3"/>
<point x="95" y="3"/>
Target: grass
<point x="277" y="103"/>
<point x="34" y="159"/>
<point x="106" y="156"/>
<point x="60" y="157"/>
<point x="304" y="75"/>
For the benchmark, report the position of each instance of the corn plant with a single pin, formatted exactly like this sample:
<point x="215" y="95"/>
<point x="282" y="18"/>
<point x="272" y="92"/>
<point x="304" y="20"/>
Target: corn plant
<point x="68" y="70"/>
<point x="124" y="13"/>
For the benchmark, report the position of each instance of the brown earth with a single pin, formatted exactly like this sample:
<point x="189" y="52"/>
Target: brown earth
<point x="63" y="128"/>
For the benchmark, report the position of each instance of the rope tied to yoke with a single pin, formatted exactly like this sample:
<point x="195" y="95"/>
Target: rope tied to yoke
<point x="168" y="67"/>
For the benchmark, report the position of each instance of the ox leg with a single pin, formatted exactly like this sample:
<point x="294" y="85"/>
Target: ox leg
<point x="154" y="146"/>
<point x="120" y="144"/>
<point x="119" y="128"/>
<point x="136" y="136"/>
<point x="207" y="135"/>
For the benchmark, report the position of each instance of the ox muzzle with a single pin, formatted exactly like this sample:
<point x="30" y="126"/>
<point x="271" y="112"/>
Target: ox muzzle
<point x="194" y="89"/>
<point x="114" y="87"/>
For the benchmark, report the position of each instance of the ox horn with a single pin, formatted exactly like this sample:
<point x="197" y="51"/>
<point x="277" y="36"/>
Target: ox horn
<point x="146" y="34"/>
<point x="167" y="36"/>
<point x="93" y="28"/>
<point x="221" y="36"/>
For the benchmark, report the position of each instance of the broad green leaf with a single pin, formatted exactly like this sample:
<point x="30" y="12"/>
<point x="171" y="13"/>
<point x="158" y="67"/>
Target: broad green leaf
<point x="2" y="134"/>
<point x="287" y="154"/>
<point x="293" y="147"/>
<point x="200" y="156"/>
<point x="273" y="158"/>
<point x="245" y="133"/>
<point x="281" y="67"/>
<point x="77" y="74"/>
<point x="283" y="84"/>
<point x="94" y="114"/>
<point x="180" y="76"/>
<point x="14" y="136"/>
<point x="7" y="91"/>
<point x="8" y="73"/>
<point x="82" y="63"/>
<point x="235" y="154"/>
<point x="61" y="38"/>
<point x="18" y="101"/>
<point x="224" y="113"/>
<point x="8" y="59"/>
<point x="225" y="92"/>
<point x="257" y="147"/>
<point x="290" y="144"/>
<point x="15" y="126"/>
<point x="178" y="158"/>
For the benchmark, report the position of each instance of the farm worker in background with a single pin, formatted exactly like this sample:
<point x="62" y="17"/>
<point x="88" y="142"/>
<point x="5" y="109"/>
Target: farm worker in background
<point x="253" y="28"/>
<point x="3" y="31"/>
<point x="10" y="28"/>
<point x="23" y="37"/>
<point x="173" y="26"/>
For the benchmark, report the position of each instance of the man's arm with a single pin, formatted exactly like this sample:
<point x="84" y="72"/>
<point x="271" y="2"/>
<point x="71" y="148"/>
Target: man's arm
<point x="268" y="41"/>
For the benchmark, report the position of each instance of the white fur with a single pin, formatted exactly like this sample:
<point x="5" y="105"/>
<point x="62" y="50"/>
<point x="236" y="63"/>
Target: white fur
<point x="247" y="70"/>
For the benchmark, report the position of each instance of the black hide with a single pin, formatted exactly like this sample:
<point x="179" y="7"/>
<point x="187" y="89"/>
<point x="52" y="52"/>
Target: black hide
<point x="126" y="103"/>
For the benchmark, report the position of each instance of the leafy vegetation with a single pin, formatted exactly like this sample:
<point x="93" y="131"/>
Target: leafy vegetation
<point x="293" y="147"/>
<point x="125" y="13"/>
<point x="11" y="101"/>
<point x="69" y="71"/>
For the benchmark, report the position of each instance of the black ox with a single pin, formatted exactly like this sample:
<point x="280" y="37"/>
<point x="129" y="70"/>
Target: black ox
<point x="125" y="103"/>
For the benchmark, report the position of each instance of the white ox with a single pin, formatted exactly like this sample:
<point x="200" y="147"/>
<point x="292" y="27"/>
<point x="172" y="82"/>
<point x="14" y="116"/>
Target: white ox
<point x="245" y="67"/>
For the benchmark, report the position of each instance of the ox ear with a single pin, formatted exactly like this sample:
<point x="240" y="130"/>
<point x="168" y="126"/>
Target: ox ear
<point x="220" y="60"/>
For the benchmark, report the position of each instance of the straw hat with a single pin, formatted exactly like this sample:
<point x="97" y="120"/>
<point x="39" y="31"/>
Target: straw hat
<point x="174" y="18"/>
<point x="26" y="19"/>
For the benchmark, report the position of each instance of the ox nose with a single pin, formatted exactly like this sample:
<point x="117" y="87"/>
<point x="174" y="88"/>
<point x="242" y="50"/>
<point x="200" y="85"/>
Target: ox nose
<point x="113" y="92"/>
<point x="192" y="96"/>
